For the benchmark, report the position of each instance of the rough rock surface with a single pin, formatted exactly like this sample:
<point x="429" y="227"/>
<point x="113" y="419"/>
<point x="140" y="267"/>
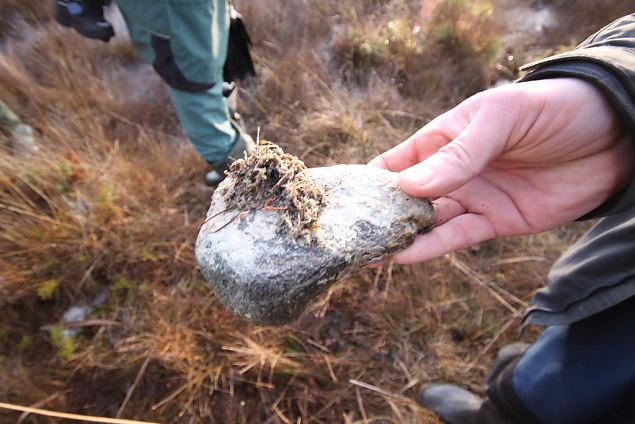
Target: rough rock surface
<point x="258" y="272"/>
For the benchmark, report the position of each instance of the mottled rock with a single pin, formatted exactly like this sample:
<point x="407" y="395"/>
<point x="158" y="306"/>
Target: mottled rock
<point x="262" y="274"/>
<point x="23" y="143"/>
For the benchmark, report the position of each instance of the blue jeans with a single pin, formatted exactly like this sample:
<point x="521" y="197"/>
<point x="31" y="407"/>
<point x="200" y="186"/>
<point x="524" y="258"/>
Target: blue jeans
<point x="581" y="372"/>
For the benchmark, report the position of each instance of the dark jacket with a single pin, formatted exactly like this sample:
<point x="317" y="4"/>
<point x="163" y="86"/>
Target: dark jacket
<point x="598" y="271"/>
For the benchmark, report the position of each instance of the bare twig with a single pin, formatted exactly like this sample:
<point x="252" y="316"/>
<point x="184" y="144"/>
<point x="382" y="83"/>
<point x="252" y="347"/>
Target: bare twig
<point x="391" y="264"/>
<point x="330" y="368"/>
<point x="89" y="270"/>
<point x="80" y="324"/>
<point x="38" y="404"/>
<point x="281" y="415"/>
<point x="170" y="397"/>
<point x="519" y="259"/>
<point x="76" y="417"/>
<point x="207" y="219"/>
<point x="491" y="343"/>
<point x="496" y="291"/>
<point x="379" y="390"/>
<point x="134" y="384"/>
<point x="378" y="273"/>
<point x="360" y="403"/>
<point x="232" y="219"/>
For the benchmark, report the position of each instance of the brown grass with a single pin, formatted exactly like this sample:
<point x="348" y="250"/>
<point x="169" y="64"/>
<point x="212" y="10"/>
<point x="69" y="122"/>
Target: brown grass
<point x="112" y="202"/>
<point x="17" y="13"/>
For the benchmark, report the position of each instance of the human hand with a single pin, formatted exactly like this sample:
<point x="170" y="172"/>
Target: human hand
<point x="517" y="159"/>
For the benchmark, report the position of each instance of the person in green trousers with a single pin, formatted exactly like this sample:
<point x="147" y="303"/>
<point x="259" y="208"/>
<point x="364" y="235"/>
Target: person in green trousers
<point x="186" y="43"/>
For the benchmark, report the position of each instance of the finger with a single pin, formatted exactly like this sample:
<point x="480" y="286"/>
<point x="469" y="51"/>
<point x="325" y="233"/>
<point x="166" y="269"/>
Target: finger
<point x="445" y="209"/>
<point x="458" y="233"/>
<point x="379" y="162"/>
<point x="456" y="163"/>
<point x="417" y="147"/>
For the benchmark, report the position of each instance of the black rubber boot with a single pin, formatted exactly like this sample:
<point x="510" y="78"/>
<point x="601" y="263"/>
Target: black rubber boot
<point x="505" y="356"/>
<point x="85" y="16"/>
<point x="452" y="404"/>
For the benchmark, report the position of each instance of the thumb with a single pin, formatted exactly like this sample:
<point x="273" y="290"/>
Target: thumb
<point x="456" y="163"/>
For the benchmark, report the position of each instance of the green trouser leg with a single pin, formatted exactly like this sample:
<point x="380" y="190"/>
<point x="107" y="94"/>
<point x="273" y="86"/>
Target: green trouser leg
<point x="140" y="39"/>
<point x="203" y="114"/>
<point x="205" y="119"/>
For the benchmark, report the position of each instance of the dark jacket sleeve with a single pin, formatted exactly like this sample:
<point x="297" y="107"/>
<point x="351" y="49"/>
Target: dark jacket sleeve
<point x="597" y="272"/>
<point x="606" y="59"/>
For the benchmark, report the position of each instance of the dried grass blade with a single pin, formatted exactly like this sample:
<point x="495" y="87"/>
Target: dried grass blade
<point x="379" y="390"/>
<point x="134" y="384"/>
<point x="489" y="345"/>
<point x="76" y="417"/>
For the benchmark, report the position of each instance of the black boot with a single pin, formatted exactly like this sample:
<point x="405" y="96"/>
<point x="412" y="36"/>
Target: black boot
<point x="452" y="404"/>
<point x="85" y="16"/>
<point x="505" y="356"/>
<point x="455" y="405"/>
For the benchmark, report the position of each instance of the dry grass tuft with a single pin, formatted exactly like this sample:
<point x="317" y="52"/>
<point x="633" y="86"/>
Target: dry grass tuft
<point x="16" y="13"/>
<point x="445" y="51"/>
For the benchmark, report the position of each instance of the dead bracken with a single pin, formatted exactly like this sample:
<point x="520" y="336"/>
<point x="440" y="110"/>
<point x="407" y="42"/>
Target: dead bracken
<point x="271" y="179"/>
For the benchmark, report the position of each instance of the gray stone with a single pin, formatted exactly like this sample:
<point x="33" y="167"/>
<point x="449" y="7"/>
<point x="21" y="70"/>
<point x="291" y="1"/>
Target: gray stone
<point x="23" y="143"/>
<point x="262" y="275"/>
<point x="22" y="140"/>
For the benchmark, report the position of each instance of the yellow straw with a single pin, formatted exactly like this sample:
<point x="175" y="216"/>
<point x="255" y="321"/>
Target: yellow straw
<point x="78" y="417"/>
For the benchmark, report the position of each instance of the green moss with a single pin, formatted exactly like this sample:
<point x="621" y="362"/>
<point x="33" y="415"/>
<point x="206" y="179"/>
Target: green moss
<point x="67" y="176"/>
<point x="123" y="284"/>
<point x="47" y="289"/>
<point x="65" y="344"/>
<point x="444" y="32"/>
<point x="25" y="342"/>
<point x="107" y="195"/>
<point x="126" y="291"/>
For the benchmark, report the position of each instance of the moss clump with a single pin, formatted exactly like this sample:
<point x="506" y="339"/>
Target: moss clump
<point x="271" y="179"/>
<point x="65" y="344"/>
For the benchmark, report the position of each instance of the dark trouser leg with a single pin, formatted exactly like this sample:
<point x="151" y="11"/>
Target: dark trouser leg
<point x="455" y="405"/>
<point x="581" y="372"/>
<point x="502" y="405"/>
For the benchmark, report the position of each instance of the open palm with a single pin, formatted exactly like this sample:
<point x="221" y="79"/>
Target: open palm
<point x="517" y="159"/>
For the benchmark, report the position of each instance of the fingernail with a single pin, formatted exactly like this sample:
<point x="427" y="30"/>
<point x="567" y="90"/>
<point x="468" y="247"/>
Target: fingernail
<point x="375" y="162"/>
<point x="417" y="175"/>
